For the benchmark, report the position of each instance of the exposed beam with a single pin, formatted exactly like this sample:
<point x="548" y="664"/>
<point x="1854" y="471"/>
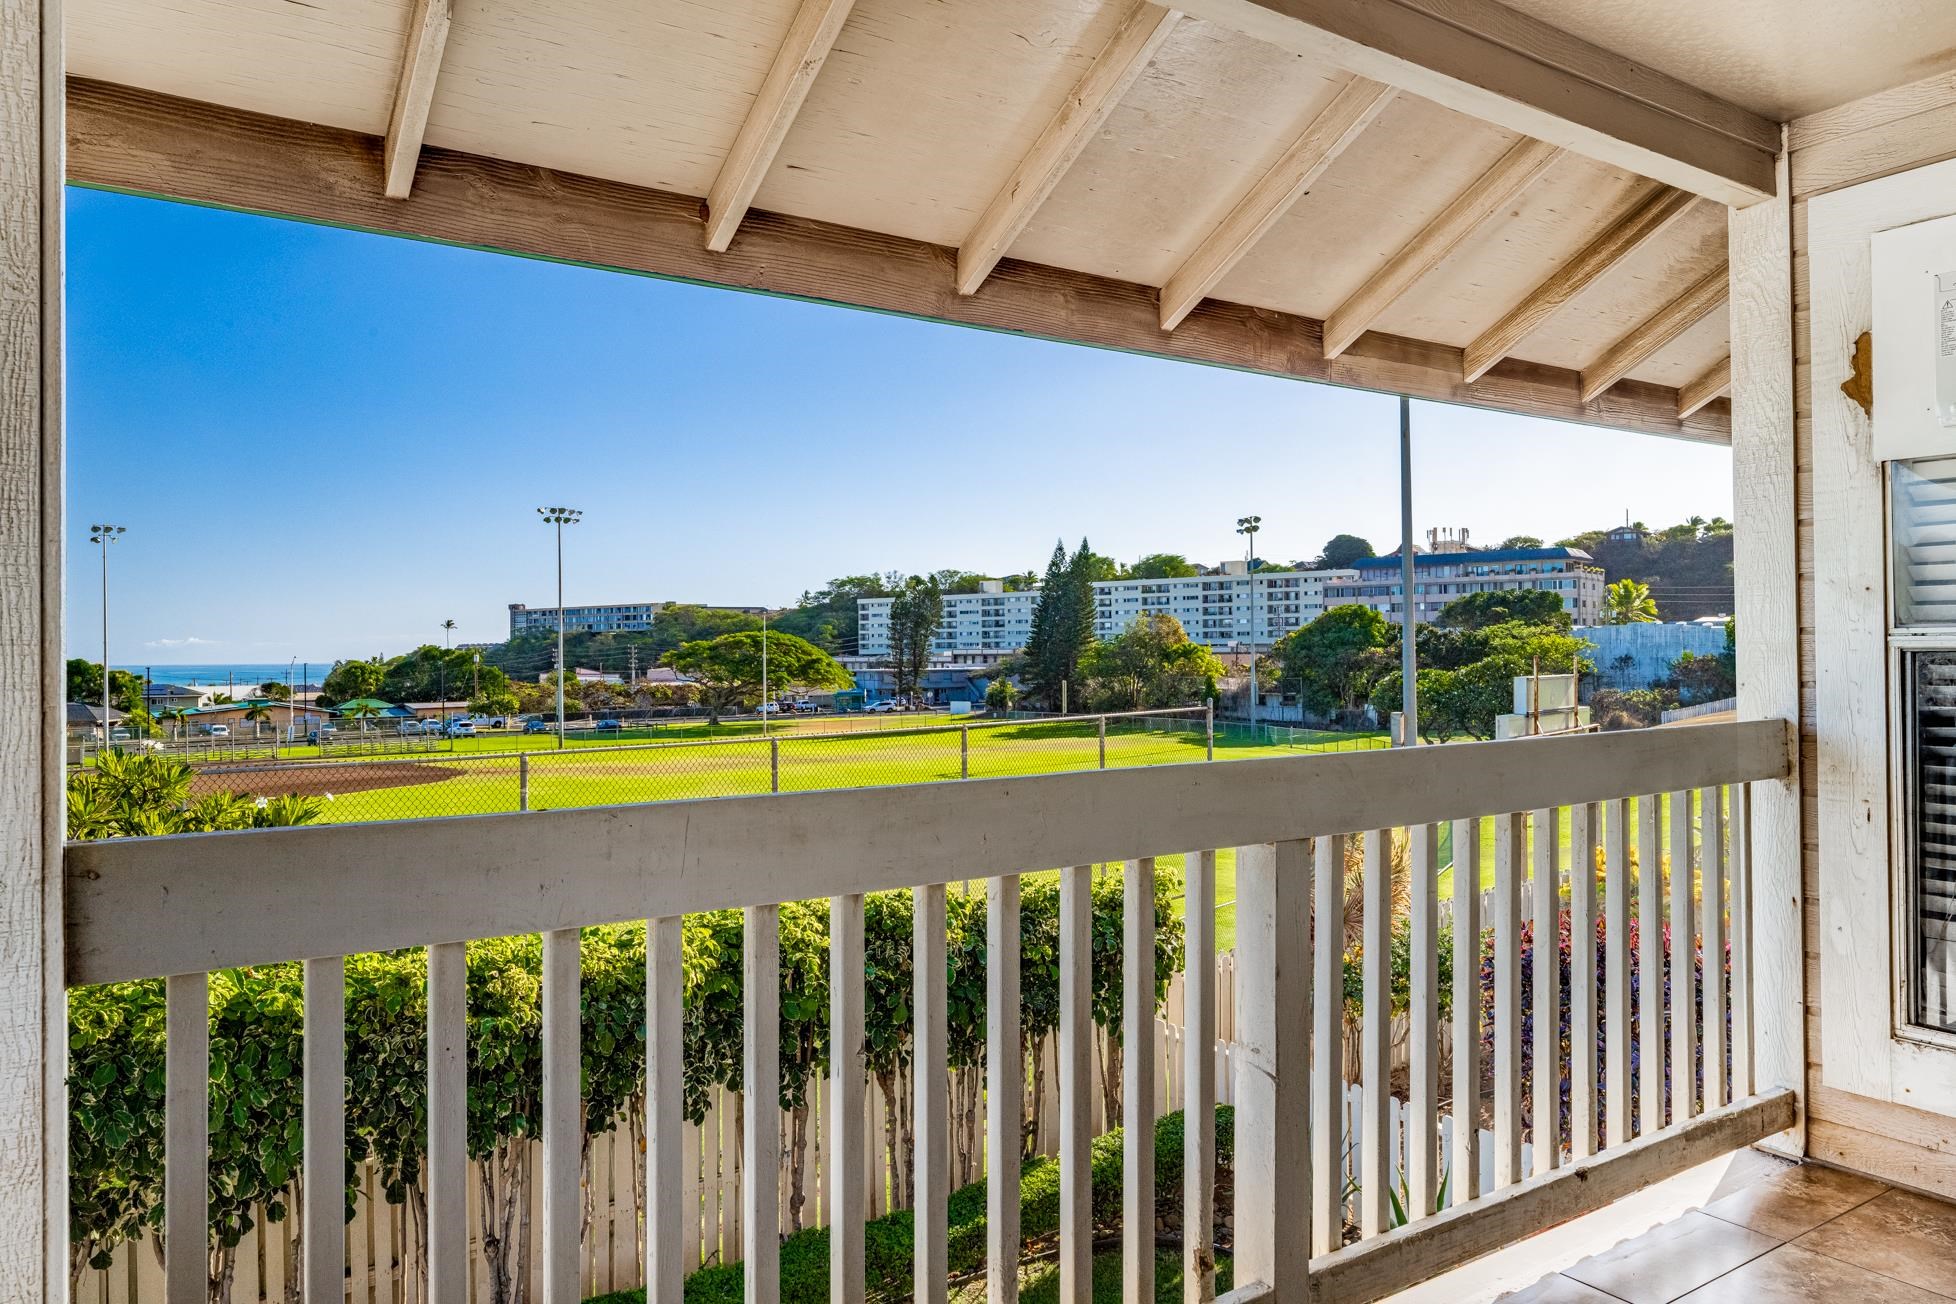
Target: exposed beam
<point x="1654" y="332"/>
<point x="1341" y="123"/>
<point x="810" y="38"/>
<point x="139" y="141"/>
<point x="1515" y="171"/>
<point x="1118" y="65"/>
<point x="1481" y="58"/>
<point x="1703" y="390"/>
<point x="414" y="94"/>
<point x="1650" y="209"/>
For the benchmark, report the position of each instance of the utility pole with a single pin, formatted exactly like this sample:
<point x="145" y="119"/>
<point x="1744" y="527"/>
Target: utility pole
<point x="104" y="535"/>
<point x="560" y="517"/>
<point x="1409" y="622"/>
<point x="1249" y="525"/>
<point x="763" y="674"/>
<point x="447" y="646"/>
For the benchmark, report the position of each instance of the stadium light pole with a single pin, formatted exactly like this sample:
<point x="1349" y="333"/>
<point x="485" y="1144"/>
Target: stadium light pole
<point x="104" y="535"/>
<point x="560" y="517"/>
<point x="1249" y="525"/>
<point x="447" y="646"/>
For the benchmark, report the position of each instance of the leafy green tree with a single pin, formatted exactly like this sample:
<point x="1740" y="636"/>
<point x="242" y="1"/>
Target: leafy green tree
<point x="1062" y="625"/>
<point x="85" y="685"/>
<point x="1151" y="663"/>
<point x="1337" y="658"/>
<point x="497" y="700"/>
<point x="1628" y="602"/>
<point x="1000" y="694"/>
<point x="1162" y="566"/>
<point x="1341" y="551"/>
<point x="728" y="668"/>
<point x="275" y="691"/>
<point x="142" y="794"/>
<point x="826" y="616"/>
<point x="350" y="680"/>
<point x="1520" y="541"/>
<point x="1529" y="606"/>
<point x="915" y="613"/>
<point x="1699" y="679"/>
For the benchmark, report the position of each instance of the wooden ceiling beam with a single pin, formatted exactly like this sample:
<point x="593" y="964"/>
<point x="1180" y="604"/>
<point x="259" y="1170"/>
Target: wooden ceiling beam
<point x="1650" y="209"/>
<point x="124" y="139"/>
<point x="414" y="95"/>
<point x="810" y="38"/>
<point x="1703" y="390"/>
<point x="1515" y="172"/>
<point x="1117" y="67"/>
<point x="1654" y="332"/>
<point x="1328" y="136"/>
<point x="1481" y="58"/>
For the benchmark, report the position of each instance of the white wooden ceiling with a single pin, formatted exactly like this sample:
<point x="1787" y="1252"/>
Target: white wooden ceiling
<point x="923" y="110"/>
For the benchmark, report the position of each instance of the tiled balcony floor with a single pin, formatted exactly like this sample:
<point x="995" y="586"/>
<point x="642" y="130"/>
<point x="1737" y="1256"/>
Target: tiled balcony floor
<point x="1798" y="1233"/>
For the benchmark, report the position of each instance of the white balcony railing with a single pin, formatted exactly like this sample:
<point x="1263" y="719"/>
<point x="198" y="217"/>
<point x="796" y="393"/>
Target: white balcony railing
<point x="182" y="907"/>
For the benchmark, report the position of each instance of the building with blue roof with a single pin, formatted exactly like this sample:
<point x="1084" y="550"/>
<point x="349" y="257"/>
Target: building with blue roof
<point x="1442" y="577"/>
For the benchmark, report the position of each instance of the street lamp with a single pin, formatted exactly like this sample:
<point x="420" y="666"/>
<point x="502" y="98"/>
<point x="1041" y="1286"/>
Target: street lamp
<point x="1248" y="526"/>
<point x="447" y="639"/>
<point x="560" y="517"/>
<point x="105" y="535"/>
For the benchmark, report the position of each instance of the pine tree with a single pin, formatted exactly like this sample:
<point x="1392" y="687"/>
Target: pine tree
<point x="1045" y="670"/>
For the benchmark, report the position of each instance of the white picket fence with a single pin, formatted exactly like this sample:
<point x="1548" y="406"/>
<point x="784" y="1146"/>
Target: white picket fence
<point x="382" y="1238"/>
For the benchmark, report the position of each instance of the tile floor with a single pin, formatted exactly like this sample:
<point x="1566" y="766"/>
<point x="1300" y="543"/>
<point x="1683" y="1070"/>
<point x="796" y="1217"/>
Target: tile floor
<point x="1800" y="1233"/>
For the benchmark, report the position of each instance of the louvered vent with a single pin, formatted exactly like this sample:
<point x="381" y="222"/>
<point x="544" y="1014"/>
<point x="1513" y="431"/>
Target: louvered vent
<point x="1933" y="741"/>
<point x="1925" y="542"/>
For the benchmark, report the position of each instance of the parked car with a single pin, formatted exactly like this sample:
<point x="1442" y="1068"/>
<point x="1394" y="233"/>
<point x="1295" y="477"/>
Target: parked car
<point x="461" y="728"/>
<point x="322" y="734"/>
<point x="220" y="731"/>
<point x="772" y="708"/>
<point x="608" y="726"/>
<point x="536" y="726"/>
<point x="888" y="704"/>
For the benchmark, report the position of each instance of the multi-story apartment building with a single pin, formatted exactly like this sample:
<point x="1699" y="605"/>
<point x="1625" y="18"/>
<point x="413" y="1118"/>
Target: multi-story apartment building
<point x="1441" y="577"/>
<point x="990" y="622"/>
<point x="1217" y="609"/>
<point x="603" y="618"/>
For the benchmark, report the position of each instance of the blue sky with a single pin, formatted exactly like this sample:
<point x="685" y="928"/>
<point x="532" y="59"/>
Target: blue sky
<point x="323" y="443"/>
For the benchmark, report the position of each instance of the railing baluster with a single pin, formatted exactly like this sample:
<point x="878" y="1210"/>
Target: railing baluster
<point x="1138" y="1079"/>
<point x="448" y="1123"/>
<point x="931" y="1109"/>
<point x="1374" y="1177"/>
<point x="1510" y="841"/>
<point x="1740" y="840"/>
<point x="1273" y="1105"/>
<point x="186" y="1138"/>
<point x="760" y="1088"/>
<point x="667" y="1212"/>
<point x="1328" y="1046"/>
<point x="1466" y="1180"/>
<point x="1005" y="1062"/>
<point x="1616" y="979"/>
<point x="1076" y="1085"/>
<point x="848" y="1075"/>
<point x="323" y="1104"/>
<point x="1583" y="829"/>
<point x="1711" y="927"/>
<point x="1545" y="1122"/>
<point x="1423" y="1071"/>
<point x="1199" y="1072"/>
<point x="1650" y="964"/>
<point x="1684" y="1015"/>
<point x="563" y="1117"/>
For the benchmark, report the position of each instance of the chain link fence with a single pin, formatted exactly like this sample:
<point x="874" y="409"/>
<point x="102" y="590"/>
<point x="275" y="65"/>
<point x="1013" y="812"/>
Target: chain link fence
<point x="785" y="759"/>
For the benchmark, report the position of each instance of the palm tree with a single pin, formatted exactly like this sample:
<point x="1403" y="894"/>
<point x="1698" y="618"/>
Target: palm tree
<point x="174" y="715"/>
<point x="1628" y="602"/>
<point x="362" y="711"/>
<point x="258" y="713"/>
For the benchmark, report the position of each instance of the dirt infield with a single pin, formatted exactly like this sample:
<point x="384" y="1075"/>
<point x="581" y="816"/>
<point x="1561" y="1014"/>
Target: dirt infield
<point x="318" y="780"/>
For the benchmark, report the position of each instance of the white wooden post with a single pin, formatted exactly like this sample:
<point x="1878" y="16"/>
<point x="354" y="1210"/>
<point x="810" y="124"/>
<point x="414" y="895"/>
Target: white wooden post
<point x="1584" y="826"/>
<point x="760" y="1089"/>
<point x="1546" y="1044"/>
<point x="1650" y="964"/>
<point x="1138" y="1078"/>
<point x="563" y="1117"/>
<point x="1684" y="1017"/>
<point x="1465" y="1182"/>
<point x="1423" y="1020"/>
<point x="1076" y="1085"/>
<point x="448" y="1124"/>
<point x="848" y="1074"/>
<point x="1005" y="1064"/>
<point x="1714" y="862"/>
<point x="1510" y="840"/>
<point x="1742" y="917"/>
<point x="1273" y="1109"/>
<point x="1374" y="1179"/>
<point x="1616" y="978"/>
<point x="932" y="1106"/>
<point x="323" y="1158"/>
<point x="667" y="1173"/>
<point x="1199" y="1073"/>
<point x="1327" y="1043"/>
<point x="186" y="1138"/>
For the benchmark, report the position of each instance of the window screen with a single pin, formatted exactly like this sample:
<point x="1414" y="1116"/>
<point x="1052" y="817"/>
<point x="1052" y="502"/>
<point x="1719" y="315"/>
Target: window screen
<point x="1932" y="835"/>
<point x="1923" y="520"/>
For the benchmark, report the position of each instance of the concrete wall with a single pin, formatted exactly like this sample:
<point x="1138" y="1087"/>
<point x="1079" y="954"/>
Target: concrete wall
<point x="1652" y="648"/>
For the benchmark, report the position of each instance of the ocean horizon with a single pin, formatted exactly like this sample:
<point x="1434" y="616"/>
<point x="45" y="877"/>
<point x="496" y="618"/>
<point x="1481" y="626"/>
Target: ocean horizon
<point x="243" y="674"/>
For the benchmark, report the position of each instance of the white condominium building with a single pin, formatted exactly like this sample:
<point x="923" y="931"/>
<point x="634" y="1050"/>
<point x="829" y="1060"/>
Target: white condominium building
<point x="990" y="621"/>
<point x="1441" y="577"/>
<point x="605" y="618"/>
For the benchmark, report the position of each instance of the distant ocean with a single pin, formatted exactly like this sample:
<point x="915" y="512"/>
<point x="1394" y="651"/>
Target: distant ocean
<point x="244" y="674"/>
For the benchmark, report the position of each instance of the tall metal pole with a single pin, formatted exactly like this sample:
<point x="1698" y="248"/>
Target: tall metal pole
<point x="1409" y="623"/>
<point x="560" y="517"/>
<point x="1249" y="525"/>
<point x="104" y="535"/>
<point x="764" y="674"/>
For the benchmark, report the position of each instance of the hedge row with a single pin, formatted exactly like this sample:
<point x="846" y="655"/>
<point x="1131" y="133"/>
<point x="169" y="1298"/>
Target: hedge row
<point x="116" y="1045"/>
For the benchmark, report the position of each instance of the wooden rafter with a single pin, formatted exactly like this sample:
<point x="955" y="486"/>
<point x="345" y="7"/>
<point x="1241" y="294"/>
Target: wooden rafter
<point x="1329" y="134"/>
<point x="810" y="38"/>
<point x="1116" y="68"/>
<point x="1703" y="390"/>
<point x="414" y="94"/>
<point x="1654" y="332"/>
<point x="1515" y="171"/>
<point x="1650" y="209"/>
<point x="1481" y="58"/>
<point x="120" y="138"/>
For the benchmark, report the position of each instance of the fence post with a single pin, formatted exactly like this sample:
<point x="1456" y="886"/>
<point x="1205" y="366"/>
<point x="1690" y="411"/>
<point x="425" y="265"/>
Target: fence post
<point x="523" y="782"/>
<point x="774" y="765"/>
<point x="964" y="751"/>
<point x="1209" y="729"/>
<point x="1103" y="742"/>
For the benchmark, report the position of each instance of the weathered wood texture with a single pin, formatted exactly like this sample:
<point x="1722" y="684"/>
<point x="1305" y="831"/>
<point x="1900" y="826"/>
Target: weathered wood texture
<point x="137" y="141"/>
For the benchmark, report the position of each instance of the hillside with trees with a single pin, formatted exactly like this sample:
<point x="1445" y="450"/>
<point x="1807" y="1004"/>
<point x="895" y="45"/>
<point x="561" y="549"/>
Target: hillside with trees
<point x="1688" y="567"/>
